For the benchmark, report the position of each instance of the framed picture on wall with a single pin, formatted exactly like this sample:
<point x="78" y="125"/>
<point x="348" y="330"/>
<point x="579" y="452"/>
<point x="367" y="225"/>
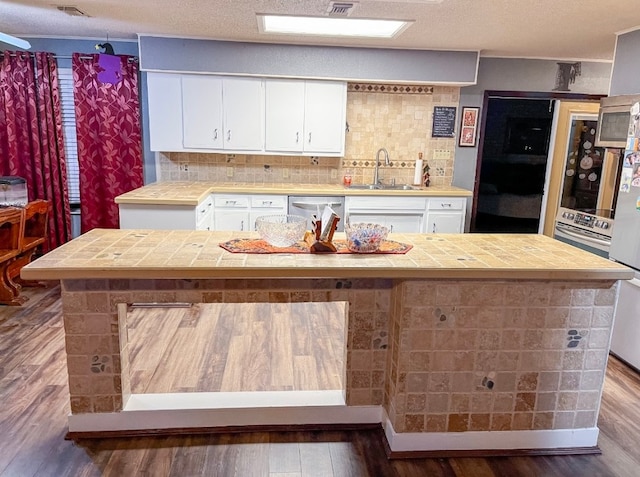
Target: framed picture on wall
<point x="468" y="127"/>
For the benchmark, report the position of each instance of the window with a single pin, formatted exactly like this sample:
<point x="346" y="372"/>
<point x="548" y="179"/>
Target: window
<point x="65" y="78"/>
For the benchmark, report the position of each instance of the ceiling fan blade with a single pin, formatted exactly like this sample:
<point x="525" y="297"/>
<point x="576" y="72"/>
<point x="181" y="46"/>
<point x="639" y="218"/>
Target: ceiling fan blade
<point x="15" y="41"/>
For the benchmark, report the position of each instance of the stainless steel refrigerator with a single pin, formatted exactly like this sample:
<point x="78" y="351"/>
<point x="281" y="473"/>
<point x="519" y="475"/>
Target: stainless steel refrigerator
<point x="625" y="248"/>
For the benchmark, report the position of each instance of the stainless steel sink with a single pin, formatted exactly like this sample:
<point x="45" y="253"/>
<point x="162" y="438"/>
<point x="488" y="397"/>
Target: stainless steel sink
<point x="400" y="187"/>
<point x="365" y="186"/>
<point x="383" y="187"/>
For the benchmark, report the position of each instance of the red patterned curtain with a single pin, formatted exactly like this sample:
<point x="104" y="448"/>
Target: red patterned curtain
<point x="31" y="140"/>
<point x="109" y="138"/>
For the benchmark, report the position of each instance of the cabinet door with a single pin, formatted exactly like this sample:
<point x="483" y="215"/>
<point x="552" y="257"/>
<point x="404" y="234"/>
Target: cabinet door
<point x="231" y="220"/>
<point x="325" y="117"/>
<point x="202" y="111"/>
<point x="165" y="111"/>
<point x="204" y="214"/>
<point x="284" y="115"/>
<point x="408" y="223"/>
<point x="243" y="100"/>
<point x="444" y="222"/>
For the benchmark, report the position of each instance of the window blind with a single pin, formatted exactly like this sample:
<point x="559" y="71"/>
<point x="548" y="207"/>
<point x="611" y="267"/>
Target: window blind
<point x="65" y="78"/>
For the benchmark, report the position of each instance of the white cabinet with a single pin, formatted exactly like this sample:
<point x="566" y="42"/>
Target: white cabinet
<point x="266" y="205"/>
<point x="304" y="116"/>
<point x="239" y="212"/>
<point x="165" y="111"/>
<point x="204" y="214"/>
<point x="222" y="113"/>
<point x="400" y="214"/>
<point x="159" y="217"/>
<point x="446" y="215"/>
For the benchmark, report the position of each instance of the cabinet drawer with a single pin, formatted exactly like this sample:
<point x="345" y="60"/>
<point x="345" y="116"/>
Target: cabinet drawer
<point x="231" y="201"/>
<point x="447" y="203"/>
<point x="268" y="202"/>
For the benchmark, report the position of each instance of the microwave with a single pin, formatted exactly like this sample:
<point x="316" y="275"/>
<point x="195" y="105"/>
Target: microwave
<point x="614" y="118"/>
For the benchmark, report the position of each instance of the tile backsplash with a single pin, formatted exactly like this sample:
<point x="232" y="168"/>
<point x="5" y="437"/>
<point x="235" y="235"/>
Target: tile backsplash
<point x="398" y="118"/>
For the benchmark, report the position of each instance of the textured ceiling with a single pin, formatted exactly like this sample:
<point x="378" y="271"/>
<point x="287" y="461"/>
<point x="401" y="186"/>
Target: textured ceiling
<point x="556" y="29"/>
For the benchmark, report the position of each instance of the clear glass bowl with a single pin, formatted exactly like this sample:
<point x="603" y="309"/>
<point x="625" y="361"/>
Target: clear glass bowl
<point x="281" y="230"/>
<point x="365" y="238"/>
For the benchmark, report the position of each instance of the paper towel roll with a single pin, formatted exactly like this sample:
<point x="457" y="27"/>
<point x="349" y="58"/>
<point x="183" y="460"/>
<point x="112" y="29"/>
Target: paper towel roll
<point x="417" y="175"/>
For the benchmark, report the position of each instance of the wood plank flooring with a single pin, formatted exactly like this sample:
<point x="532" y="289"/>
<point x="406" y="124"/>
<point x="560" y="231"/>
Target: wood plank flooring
<point x="237" y="347"/>
<point x="34" y="397"/>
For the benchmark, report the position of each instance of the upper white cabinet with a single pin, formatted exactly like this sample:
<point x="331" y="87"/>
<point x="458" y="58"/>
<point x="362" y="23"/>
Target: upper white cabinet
<point x="165" y="111"/>
<point x="223" y="113"/>
<point x="210" y="113"/>
<point x="304" y="116"/>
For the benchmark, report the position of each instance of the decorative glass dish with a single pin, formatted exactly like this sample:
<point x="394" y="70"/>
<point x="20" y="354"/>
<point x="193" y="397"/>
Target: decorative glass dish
<point x="365" y="238"/>
<point x="281" y="230"/>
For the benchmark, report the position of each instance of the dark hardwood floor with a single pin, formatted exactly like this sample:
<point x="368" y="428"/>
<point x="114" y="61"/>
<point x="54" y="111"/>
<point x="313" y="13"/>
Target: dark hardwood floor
<point x="34" y="397"/>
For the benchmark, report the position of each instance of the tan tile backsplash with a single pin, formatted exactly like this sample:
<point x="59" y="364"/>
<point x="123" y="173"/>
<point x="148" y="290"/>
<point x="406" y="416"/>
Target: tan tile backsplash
<point x="398" y="118"/>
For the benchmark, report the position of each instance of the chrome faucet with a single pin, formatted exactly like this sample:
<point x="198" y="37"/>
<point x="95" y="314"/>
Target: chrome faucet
<point x="387" y="162"/>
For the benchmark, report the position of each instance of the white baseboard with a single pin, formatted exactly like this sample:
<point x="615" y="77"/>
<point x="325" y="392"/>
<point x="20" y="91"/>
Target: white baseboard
<point x="211" y="410"/>
<point x="489" y="440"/>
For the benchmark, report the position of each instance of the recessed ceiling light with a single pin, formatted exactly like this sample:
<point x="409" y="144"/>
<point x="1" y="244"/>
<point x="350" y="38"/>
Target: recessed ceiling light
<point x="325" y="26"/>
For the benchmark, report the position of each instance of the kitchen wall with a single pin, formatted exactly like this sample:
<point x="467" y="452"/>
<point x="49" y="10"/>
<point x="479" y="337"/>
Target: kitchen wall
<point x="625" y="77"/>
<point x="516" y="74"/>
<point x="396" y="118"/>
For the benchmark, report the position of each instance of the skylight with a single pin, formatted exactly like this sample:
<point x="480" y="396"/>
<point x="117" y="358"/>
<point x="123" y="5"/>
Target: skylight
<point x="326" y="26"/>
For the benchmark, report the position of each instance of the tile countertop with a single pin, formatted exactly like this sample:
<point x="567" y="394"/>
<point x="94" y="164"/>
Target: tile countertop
<point x="160" y="254"/>
<point x="192" y="193"/>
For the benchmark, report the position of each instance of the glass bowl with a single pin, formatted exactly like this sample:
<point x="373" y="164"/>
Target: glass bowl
<point x="281" y="230"/>
<point x="365" y="238"/>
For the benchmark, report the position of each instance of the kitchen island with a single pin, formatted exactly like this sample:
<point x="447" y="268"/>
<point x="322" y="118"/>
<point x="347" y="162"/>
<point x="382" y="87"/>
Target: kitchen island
<point x="464" y="343"/>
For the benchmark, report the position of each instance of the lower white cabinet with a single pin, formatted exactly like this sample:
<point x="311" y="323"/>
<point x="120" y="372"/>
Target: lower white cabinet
<point x="445" y="215"/>
<point x="399" y="214"/>
<point x="239" y="212"/>
<point x="409" y="214"/>
<point x="167" y="217"/>
<point x="159" y="217"/>
<point x="204" y="214"/>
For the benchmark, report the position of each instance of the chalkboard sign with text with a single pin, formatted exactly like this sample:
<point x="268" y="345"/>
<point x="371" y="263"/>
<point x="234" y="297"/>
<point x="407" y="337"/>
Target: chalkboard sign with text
<point x="444" y="121"/>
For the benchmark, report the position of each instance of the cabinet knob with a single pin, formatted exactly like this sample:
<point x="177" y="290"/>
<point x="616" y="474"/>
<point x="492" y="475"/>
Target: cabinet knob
<point x="297" y="137"/>
<point x="215" y="134"/>
<point x="242" y="226"/>
<point x="443" y="205"/>
<point x="267" y="202"/>
<point x="229" y="135"/>
<point x="434" y="228"/>
<point x="309" y="138"/>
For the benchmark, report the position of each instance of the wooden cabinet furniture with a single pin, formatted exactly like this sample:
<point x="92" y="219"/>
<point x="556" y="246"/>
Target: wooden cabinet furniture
<point x="22" y="231"/>
<point x="10" y="230"/>
<point x="222" y="113"/>
<point x="445" y="215"/>
<point x="239" y="212"/>
<point x="306" y="117"/>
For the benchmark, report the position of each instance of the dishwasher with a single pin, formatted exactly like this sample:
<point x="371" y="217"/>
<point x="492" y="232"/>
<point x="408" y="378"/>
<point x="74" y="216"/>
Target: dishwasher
<point x="308" y="206"/>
